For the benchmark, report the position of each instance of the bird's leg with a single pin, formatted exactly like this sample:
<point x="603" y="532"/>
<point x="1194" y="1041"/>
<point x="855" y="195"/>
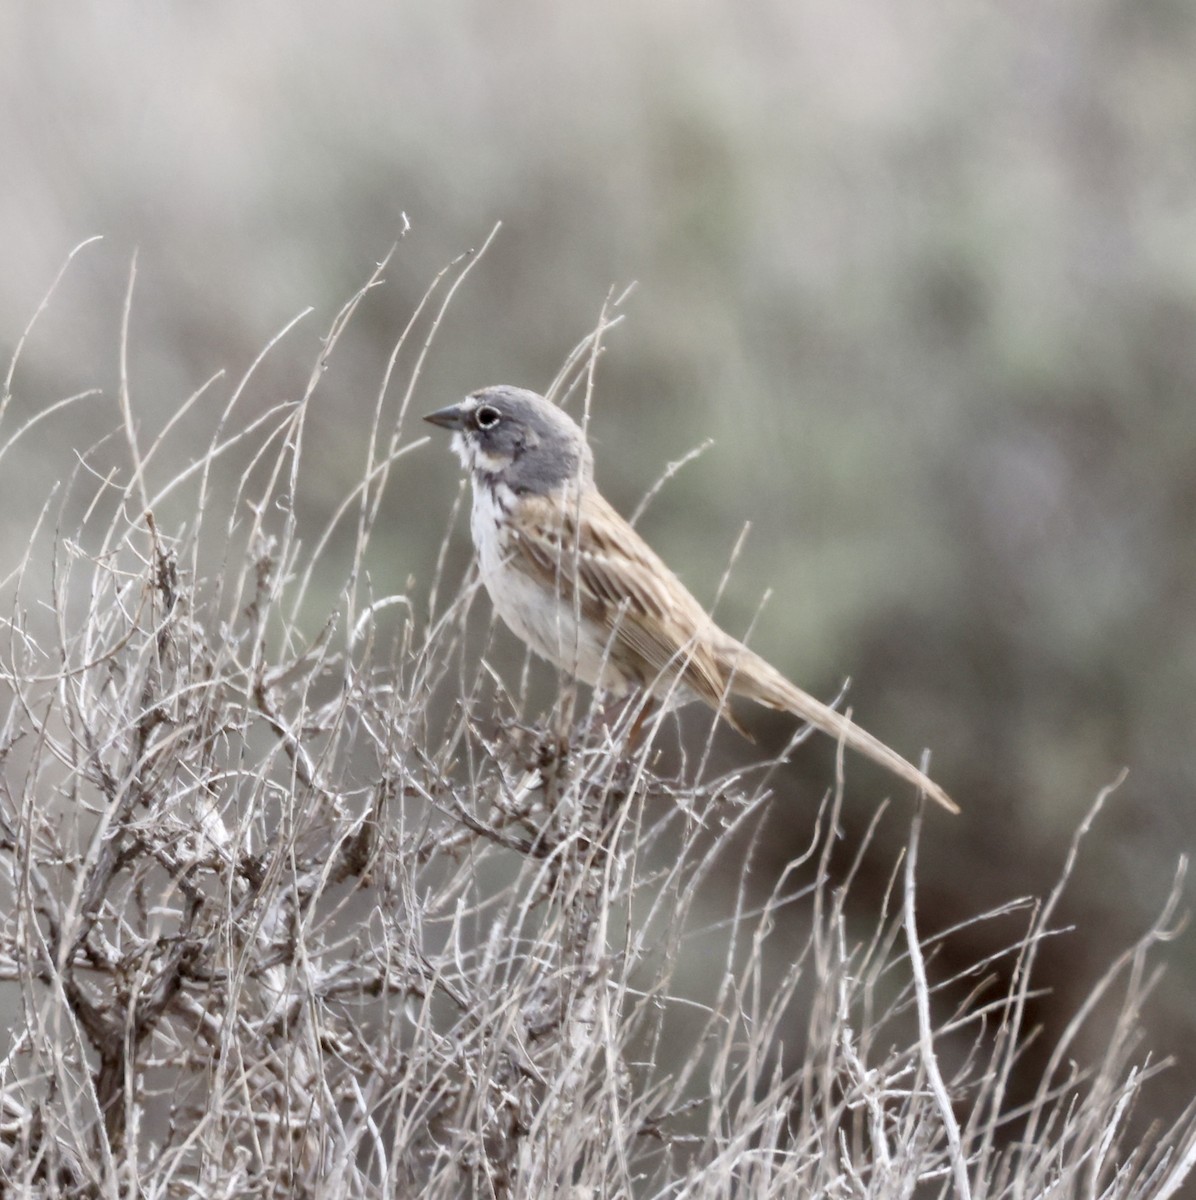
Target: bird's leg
<point x="647" y="709"/>
<point x="564" y="719"/>
<point x="637" y="705"/>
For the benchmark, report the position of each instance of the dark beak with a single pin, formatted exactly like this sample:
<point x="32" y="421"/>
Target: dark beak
<point x="447" y="418"/>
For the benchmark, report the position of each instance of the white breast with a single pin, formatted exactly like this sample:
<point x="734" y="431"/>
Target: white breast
<point x="535" y="610"/>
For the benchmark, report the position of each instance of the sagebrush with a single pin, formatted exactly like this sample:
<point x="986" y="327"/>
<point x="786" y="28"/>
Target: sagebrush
<point x="300" y="899"/>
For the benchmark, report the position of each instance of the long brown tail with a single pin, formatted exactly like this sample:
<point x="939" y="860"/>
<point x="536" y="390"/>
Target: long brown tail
<point x="758" y="680"/>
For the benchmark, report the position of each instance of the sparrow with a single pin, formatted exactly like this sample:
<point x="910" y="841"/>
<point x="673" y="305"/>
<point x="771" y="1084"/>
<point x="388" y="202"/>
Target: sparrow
<point x="576" y="582"/>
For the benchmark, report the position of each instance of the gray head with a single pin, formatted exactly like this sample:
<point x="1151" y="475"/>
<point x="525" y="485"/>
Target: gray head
<point x="512" y="436"/>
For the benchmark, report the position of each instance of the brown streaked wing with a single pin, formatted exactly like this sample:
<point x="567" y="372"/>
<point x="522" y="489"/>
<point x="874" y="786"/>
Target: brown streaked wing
<point x="624" y="586"/>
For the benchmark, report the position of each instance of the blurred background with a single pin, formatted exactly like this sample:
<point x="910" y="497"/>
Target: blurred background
<point x="926" y="274"/>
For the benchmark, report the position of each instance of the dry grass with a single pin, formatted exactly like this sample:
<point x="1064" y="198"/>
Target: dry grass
<point x="301" y="902"/>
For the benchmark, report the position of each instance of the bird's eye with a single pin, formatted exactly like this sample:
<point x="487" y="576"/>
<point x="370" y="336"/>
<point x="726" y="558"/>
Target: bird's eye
<point x="487" y="417"/>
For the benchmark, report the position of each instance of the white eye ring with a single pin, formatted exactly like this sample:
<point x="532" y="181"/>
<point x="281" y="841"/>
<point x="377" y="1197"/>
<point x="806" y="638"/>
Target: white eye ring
<point x="487" y="417"/>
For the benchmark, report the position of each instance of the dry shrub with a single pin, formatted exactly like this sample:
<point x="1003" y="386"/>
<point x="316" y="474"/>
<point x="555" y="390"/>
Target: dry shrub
<point x="300" y="902"/>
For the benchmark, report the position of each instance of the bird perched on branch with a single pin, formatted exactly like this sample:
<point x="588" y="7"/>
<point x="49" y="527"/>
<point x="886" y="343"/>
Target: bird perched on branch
<point x="576" y="582"/>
